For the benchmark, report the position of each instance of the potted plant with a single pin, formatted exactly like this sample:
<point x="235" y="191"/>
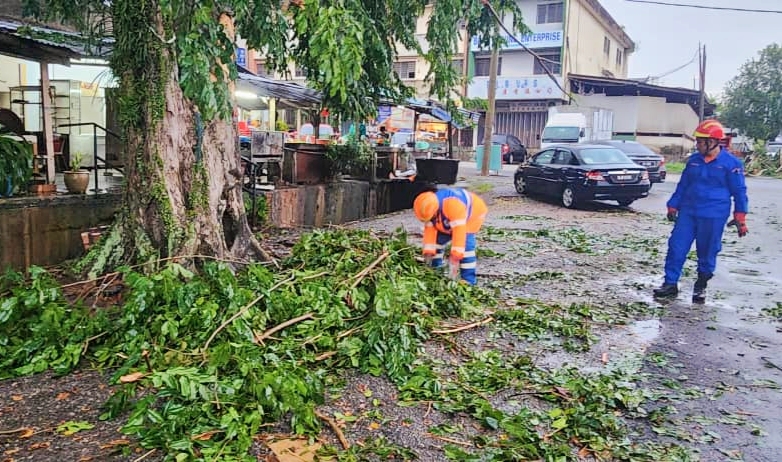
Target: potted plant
<point x="76" y="179"/>
<point x="15" y="164"/>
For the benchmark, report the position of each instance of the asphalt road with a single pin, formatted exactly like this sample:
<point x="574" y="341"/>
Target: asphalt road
<point x="726" y="347"/>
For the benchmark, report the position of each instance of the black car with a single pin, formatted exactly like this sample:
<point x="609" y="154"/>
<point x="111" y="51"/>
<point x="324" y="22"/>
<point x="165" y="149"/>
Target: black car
<point x="641" y="155"/>
<point x="513" y="151"/>
<point x="579" y="173"/>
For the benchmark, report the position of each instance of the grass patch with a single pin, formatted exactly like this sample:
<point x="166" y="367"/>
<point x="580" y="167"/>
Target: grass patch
<point x="674" y="167"/>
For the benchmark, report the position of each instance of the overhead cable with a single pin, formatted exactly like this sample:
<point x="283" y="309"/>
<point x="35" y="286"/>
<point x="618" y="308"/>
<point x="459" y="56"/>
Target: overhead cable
<point x="706" y="7"/>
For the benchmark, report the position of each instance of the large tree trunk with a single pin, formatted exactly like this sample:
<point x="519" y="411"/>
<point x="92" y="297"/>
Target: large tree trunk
<point x="183" y="193"/>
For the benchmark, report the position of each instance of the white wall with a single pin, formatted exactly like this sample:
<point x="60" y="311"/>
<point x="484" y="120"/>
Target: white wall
<point x="584" y="48"/>
<point x="625" y="109"/>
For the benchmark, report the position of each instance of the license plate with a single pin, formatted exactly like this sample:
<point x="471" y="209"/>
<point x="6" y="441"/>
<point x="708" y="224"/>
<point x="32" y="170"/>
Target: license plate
<point x="624" y="177"/>
<point x="650" y="164"/>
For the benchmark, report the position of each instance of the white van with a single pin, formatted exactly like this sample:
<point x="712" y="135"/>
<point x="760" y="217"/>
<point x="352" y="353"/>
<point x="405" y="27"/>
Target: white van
<point x="564" y="128"/>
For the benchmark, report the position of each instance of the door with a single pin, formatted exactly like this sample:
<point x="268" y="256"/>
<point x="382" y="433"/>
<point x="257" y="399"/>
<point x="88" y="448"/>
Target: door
<point x="560" y="172"/>
<point x="535" y="173"/>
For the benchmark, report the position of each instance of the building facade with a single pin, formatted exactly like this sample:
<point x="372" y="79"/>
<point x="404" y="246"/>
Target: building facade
<point x="568" y="36"/>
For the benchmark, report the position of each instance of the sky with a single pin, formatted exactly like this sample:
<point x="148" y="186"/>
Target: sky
<point x="667" y="37"/>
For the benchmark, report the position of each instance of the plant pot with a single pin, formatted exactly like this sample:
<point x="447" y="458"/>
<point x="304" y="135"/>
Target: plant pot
<point x="43" y="188"/>
<point x="77" y="182"/>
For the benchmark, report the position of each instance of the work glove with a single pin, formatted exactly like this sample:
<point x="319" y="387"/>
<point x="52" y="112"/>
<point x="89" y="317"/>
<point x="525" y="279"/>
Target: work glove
<point x="740" y="222"/>
<point x="672" y="214"/>
<point x="428" y="260"/>
<point x="453" y="268"/>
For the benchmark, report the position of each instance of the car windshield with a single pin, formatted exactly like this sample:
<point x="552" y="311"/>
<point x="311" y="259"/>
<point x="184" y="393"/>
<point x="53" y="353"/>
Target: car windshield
<point x="632" y="148"/>
<point x="560" y="133"/>
<point x="498" y="139"/>
<point x="593" y="156"/>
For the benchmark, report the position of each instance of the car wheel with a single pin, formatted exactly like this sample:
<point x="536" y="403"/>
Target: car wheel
<point x="568" y="197"/>
<point x="510" y="158"/>
<point x="521" y="184"/>
<point x="626" y="202"/>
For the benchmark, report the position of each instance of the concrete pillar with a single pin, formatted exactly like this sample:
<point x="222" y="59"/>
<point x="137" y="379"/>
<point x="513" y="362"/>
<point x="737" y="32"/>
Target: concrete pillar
<point x="48" y="128"/>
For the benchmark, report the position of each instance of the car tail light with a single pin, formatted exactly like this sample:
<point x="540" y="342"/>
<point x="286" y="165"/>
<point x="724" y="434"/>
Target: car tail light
<point x="595" y="175"/>
<point x="662" y="161"/>
<point x="645" y="175"/>
<point x="505" y="148"/>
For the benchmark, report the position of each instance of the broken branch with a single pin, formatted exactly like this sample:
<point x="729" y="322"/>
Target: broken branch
<point x="363" y="273"/>
<point x="279" y="327"/>
<point x="465" y="327"/>
<point x="340" y="436"/>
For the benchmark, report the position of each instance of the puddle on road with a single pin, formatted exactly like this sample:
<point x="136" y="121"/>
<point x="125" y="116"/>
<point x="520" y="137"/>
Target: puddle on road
<point x="646" y="331"/>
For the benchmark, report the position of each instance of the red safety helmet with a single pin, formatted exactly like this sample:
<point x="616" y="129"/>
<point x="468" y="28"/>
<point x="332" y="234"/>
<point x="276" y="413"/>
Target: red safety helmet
<point x="710" y="129"/>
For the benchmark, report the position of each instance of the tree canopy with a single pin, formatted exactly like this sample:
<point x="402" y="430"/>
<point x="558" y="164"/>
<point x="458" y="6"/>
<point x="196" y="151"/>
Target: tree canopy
<point x="753" y="99"/>
<point x="347" y="48"/>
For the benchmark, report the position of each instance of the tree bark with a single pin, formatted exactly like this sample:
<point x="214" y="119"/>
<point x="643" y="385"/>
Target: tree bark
<point x="183" y="194"/>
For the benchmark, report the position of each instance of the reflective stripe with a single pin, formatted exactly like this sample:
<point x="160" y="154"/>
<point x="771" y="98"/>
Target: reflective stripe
<point x="467" y="265"/>
<point x="459" y="250"/>
<point x="428" y="224"/>
<point x="440" y="246"/>
<point x="458" y="223"/>
<point x="430" y="247"/>
<point x="469" y="253"/>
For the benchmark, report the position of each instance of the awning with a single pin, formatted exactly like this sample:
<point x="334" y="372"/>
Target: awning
<point x="45" y="44"/>
<point x="289" y="95"/>
<point x="437" y="111"/>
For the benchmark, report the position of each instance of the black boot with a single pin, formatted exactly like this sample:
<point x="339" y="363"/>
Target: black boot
<point x="699" y="290"/>
<point x="667" y="290"/>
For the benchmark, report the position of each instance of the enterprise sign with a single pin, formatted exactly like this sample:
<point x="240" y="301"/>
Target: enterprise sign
<point x="549" y="39"/>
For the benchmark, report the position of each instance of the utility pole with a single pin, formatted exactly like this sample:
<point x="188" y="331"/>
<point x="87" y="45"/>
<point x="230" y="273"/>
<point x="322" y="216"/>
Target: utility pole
<point x="490" y="111"/>
<point x="702" y="69"/>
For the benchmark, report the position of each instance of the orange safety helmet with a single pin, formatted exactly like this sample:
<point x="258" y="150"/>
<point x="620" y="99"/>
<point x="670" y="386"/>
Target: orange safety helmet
<point x="426" y="205"/>
<point x="710" y="129"/>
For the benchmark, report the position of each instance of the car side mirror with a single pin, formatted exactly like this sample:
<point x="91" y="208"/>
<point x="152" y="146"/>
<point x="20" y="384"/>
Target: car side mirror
<point x="582" y="133"/>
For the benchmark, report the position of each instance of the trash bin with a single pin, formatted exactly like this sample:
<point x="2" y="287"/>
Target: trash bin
<point x="495" y="161"/>
<point x="438" y="171"/>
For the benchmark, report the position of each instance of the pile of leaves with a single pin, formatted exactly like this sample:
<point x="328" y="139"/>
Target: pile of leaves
<point x="762" y="164"/>
<point x="206" y="358"/>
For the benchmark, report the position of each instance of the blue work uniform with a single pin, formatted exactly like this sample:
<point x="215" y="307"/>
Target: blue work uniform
<point x="442" y="223"/>
<point x="703" y="199"/>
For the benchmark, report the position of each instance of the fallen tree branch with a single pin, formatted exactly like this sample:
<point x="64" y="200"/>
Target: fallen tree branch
<point x="363" y="273"/>
<point x="450" y="440"/>
<point x="334" y="427"/>
<point x="145" y="455"/>
<point x="463" y="328"/>
<point x="279" y="327"/>
<point x="240" y="313"/>
<point x="15" y="430"/>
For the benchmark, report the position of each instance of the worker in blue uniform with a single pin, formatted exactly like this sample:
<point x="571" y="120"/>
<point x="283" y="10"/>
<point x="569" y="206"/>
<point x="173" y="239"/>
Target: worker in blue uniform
<point x="700" y="207"/>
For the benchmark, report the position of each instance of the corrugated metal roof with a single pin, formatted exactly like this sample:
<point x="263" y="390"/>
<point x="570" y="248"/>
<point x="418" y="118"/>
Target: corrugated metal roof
<point x="289" y="93"/>
<point x="70" y="44"/>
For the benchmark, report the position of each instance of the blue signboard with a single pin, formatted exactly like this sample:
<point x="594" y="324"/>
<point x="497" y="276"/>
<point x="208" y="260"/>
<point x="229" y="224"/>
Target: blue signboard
<point x="241" y="57"/>
<point x="383" y="113"/>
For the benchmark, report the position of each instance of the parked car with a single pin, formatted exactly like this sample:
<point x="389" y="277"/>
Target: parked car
<point x="578" y="173"/>
<point x="513" y="150"/>
<point x="641" y="155"/>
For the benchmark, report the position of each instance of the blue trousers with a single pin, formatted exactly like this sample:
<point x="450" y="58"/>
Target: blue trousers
<point x="468" y="263"/>
<point x="707" y="234"/>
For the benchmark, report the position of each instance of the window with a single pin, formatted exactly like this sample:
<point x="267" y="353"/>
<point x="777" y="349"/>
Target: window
<point x="263" y="70"/>
<point x="550" y="12"/>
<point x="544" y="158"/>
<point x="548" y="57"/>
<point x="619" y="57"/>
<point x="607" y="46"/>
<point x="405" y="69"/>
<point x="300" y="72"/>
<point x="458" y="66"/>
<point x="482" y="66"/>
<point x="563" y="158"/>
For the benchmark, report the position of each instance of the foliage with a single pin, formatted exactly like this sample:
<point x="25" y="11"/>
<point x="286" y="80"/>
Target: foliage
<point x="353" y="158"/>
<point x="346" y="48"/>
<point x="753" y="99"/>
<point x="280" y="125"/>
<point x="763" y="164"/>
<point x="675" y="167"/>
<point x="76" y="159"/>
<point x="203" y="368"/>
<point x="15" y="164"/>
<point x="261" y="212"/>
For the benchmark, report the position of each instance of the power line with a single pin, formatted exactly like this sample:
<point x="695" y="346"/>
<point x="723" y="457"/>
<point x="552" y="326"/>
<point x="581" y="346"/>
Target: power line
<point x="704" y="7"/>
<point x="665" y="74"/>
